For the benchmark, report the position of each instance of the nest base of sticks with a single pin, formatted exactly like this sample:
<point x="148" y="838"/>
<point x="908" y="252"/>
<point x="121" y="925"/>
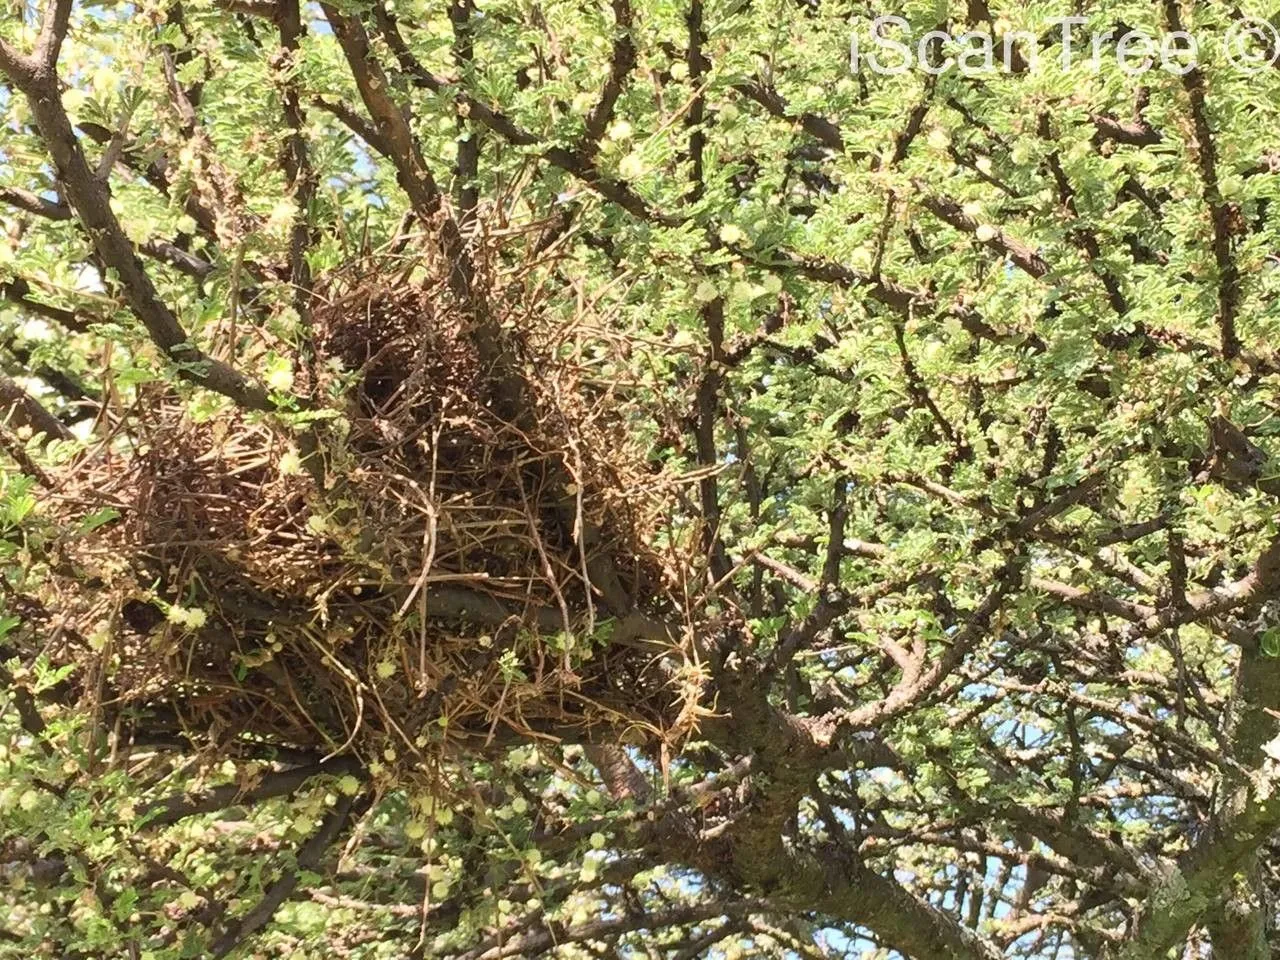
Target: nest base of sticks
<point x="421" y="562"/>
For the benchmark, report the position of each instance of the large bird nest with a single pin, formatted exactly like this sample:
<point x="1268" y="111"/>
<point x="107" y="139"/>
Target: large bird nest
<point x="421" y="560"/>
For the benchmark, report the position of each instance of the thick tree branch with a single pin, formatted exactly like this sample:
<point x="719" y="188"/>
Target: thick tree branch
<point x="53" y="30"/>
<point x="19" y="409"/>
<point x="309" y="856"/>
<point x="89" y="197"/>
<point x="180" y="806"/>
<point x="34" y="203"/>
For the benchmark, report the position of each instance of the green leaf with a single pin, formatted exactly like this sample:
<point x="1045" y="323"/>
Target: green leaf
<point x="1270" y="642"/>
<point x="96" y="519"/>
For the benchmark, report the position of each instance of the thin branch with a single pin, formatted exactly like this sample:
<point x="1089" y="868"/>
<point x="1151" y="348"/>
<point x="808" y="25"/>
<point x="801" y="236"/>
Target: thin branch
<point x="919" y="683"/>
<point x="571" y="161"/>
<point x="357" y="124"/>
<point x="18" y="291"/>
<point x="467" y="166"/>
<point x="621" y="63"/>
<point x="1220" y="212"/>
<point x="308" y="858"/>
<point x="297" y="160"/>
<point x="404" y="151"/>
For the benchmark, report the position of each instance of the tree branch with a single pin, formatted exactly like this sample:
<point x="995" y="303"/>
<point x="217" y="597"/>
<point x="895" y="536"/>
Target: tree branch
<point x="89" y="197"/>
<point x="34" y="203"/>
<point x="308" y="858"/>
<point x="19" y="408"/>
<point x="53" y="30"/>
<point x="281" y="783"/>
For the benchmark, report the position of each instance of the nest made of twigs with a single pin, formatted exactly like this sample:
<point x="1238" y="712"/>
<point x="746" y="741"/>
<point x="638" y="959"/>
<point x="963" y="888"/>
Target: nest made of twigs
<point x="405" y="571"/>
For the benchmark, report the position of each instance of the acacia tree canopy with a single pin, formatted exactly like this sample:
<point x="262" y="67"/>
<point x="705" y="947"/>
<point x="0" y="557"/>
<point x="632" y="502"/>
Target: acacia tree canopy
<point x="512" y="479"/>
